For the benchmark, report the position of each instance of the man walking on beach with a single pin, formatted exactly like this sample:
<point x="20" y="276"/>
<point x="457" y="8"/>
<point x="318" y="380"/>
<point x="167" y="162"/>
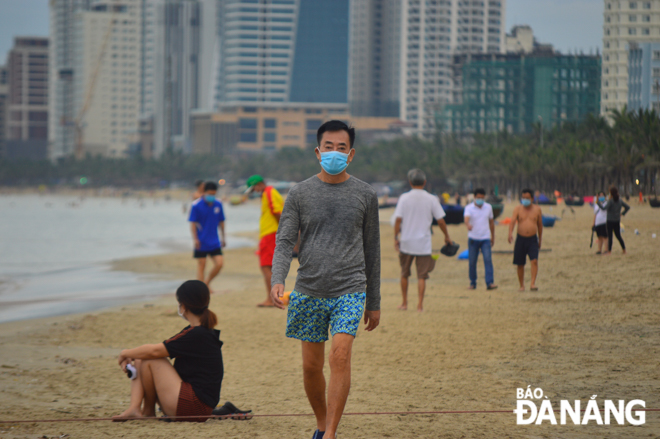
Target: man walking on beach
<point x="414" y="215"/>
<point x="480" y="223"/>
<point x="529" y="218"/>
<point x="206" y="216"/>
<point x="271" y="211"/>
<point x="337" y="216"/>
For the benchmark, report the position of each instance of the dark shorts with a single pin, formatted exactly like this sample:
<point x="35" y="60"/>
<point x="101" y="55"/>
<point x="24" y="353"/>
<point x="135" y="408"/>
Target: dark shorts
<point x="190" y="405"/>
<point x="525" y="246"/>
<point x="424" y="264"/>
<point x="601" y="231"/>
<point x="201" y="254"/>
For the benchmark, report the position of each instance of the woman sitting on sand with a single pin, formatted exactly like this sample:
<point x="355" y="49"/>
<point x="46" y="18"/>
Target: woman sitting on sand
<point x="192" y="386"/>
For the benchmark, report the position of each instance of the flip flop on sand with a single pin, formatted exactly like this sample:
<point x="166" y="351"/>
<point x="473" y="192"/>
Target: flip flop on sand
<point x="231" y="409"/>
<point x="534" y="289"/>
<point x="491" y="287"/>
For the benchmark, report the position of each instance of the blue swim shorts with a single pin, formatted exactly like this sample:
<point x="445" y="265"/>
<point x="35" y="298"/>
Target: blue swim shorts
<point x="309" y="318"/>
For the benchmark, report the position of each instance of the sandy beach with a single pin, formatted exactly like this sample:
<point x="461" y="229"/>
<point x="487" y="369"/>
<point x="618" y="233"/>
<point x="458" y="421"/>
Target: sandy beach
<point x="593" y="328"/>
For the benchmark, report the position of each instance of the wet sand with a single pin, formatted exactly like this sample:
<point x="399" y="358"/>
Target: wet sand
<point x="593" y="328"/>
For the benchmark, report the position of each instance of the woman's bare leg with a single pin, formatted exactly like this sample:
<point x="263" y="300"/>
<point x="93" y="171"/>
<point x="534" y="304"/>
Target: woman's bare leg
<point x="161" y="383"/>
<point x="137" y="395"/>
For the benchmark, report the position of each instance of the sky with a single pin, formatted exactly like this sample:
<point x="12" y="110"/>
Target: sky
<point x="569" y="25"/>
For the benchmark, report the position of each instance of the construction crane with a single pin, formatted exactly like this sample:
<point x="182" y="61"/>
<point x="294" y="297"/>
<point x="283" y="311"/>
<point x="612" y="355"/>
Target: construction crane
<point x="89" y="93"/>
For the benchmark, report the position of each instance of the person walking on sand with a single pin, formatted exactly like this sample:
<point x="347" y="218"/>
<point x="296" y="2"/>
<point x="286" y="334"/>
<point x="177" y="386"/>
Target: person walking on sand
<point x="480" y="223"/>
<point x="199" y="190"/>
<point x="600" y="220"/>
<point x="414" y="214"/>
<point x="529" y="218"/>
<point x="337" y="216"/>
<point x="613" y="207"/>
<point x="206" y="217"/>
<point x="271" y="211"/>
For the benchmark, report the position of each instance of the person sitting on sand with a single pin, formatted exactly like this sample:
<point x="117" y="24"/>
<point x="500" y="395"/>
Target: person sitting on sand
<point x="529" y="218"/>
<point x="190" y="387"/>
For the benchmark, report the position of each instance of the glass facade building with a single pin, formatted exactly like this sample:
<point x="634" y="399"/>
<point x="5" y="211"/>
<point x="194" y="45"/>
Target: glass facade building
<point x="282" y="51"/>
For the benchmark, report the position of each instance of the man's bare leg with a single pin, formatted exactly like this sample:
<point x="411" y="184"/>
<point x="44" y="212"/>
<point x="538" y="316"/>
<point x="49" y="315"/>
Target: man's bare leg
<point x="535" y="270"/>
<point x="340" y="381"/>
<point x="137" y="395"/>
<point x="161" y="384"/>
<point x="201" y="265"/>
<point x="521" y="277"/>
<point x="421" y="289"/>
<point x="404" y="293"/>
<point x="600" y="245"/>
<point x="314" y="380"/>
<point x="217" y="266"/>
<point x="268" y="274"/>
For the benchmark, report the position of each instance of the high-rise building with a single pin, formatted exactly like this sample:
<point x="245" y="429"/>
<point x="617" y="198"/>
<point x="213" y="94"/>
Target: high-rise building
<point x="107" y="72"/>
<point x="513" y="92"/>
<point x="27" y="104"/>
<point x="624" y="22"/>
<point x="644" y="76"/>
<point x="62" y="135"/>
<point x="282" y="51"/>
<point x="402" y="52"/>
<point x="3" y="108"/>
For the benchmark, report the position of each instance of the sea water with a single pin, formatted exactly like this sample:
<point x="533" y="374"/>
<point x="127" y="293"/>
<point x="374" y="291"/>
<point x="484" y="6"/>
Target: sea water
<point x="55" y="251"/>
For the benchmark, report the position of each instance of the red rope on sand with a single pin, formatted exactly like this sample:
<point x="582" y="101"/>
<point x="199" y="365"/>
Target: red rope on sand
<point x="277" y="415"/>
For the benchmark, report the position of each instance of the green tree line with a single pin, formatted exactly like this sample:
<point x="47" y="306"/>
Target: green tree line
<point x="574" y="157"/>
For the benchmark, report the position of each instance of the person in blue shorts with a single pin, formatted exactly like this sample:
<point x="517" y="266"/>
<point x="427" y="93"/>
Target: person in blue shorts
<point x="337" y="217"/>
<point x="206" y="217"/>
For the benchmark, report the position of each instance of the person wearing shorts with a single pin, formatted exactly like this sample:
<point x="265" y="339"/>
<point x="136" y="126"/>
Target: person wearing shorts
<point x="414" y="216"/>
<point x="529" y="218"/>
<point x="206" y="217"/>
<point x="271" y="211"/>
<point x="600" y="221"/>
<point x="338" y="282"/>
<point x="190" y="388"/>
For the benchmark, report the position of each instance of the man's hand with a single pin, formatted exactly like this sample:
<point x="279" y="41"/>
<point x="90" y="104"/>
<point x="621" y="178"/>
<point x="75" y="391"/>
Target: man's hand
<point x="197" y="244"/>
<point x="223" y="243"/>
<point x="397" y="245"/>
<point x="371" y="319"/>
<point x="492" y="241"/>
<point x="123" y="361"/>
<point x="539" y="243"/>
<point x="510" y="238"/>
<point x="276" y="295"/>
<point x="469" y="227"/>
<point x="448" y="240"/>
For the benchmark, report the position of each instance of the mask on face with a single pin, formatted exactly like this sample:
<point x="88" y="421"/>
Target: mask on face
<point x="178" y="311"/>
<point x="334" y="162"/>
<point x="209" y="198"/>
<point x="526" y="202"/>
<point x="479" y="201"/>
<point x="601" y="199"/>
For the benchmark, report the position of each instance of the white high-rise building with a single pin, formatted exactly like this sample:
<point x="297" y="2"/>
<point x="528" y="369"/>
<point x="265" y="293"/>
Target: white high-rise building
<point x="624" y="22"/>
<point x="402" y="53"/>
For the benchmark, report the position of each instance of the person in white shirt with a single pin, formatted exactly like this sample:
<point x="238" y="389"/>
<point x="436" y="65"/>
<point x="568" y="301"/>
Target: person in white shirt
<point x="414" y="215"/>
<point x="600" y="221"/>
<point x="480" y="223"/>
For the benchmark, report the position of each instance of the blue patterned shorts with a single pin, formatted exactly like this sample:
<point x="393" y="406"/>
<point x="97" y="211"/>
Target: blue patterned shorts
<point x="309" y="318"/>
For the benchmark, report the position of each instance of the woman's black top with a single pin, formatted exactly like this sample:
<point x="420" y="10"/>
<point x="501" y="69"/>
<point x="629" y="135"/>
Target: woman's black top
<point x="198" y="361"/>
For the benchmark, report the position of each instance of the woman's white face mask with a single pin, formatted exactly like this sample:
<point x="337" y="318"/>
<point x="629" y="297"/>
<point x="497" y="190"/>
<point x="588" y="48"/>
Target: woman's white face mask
<point x="181" y="313"/>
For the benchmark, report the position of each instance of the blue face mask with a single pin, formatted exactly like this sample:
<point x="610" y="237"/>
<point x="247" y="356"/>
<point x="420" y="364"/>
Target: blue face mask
<point x="601" y="199"/>
<point x="479" y="201"/>
<point x="526" y="202"/>
<point x="334" y="162"/>
<point x="209" y="198"/>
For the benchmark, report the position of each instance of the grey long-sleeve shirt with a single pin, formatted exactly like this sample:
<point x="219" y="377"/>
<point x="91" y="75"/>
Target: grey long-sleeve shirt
<point x="613" y="209"/>
<point x="339" y="239"/>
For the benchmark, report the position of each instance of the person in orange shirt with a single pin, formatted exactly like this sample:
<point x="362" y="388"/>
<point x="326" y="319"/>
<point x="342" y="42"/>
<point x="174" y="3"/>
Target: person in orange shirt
<point x="272" y="204"/>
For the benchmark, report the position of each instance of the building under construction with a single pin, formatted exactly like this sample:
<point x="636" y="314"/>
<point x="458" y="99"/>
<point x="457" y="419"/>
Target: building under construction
<point x="513" y="92"/>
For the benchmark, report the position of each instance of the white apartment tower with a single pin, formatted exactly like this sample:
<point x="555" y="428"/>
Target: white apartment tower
<point x="625" y="21"/>
<point x="402" y="51"/>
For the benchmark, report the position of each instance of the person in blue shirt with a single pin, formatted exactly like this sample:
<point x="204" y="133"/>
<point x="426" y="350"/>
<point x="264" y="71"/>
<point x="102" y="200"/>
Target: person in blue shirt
<point x="206" y="217"/>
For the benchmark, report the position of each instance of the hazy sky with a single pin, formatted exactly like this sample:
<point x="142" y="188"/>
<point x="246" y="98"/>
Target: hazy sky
<point x="567" y="24"/>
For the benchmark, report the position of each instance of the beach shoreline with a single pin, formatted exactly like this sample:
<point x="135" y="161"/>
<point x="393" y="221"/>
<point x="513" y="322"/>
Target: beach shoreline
<point x="591" y="329"/>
